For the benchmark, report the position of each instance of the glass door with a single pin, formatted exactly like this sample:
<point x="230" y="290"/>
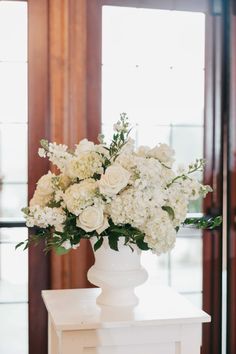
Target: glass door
<point x="156" y="61"/>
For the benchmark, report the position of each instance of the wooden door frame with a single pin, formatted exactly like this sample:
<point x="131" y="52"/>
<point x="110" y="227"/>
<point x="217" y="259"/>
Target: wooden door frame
<point x="38" y="127"/>
<point x="212" y="241"/>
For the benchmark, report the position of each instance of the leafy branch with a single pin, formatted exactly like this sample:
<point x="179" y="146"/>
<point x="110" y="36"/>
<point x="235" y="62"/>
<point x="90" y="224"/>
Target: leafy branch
<point x="197" y="166"/>
<point x="204" y="222"/>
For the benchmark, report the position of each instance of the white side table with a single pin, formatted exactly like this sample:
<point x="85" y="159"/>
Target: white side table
<point x="164" y="322"/>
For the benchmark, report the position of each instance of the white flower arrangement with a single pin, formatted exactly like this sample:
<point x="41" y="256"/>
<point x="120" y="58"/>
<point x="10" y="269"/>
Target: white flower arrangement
<point x="112" y="191"/>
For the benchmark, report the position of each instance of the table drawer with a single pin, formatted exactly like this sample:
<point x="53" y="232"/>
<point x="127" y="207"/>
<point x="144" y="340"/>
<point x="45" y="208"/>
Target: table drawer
<point x="160" y="348"/>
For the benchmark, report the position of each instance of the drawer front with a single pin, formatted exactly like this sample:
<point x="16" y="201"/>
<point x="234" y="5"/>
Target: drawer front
<point x="160" y="348"/>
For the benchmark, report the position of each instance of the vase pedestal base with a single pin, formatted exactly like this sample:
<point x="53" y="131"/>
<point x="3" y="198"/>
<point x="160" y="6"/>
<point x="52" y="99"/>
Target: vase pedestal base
<point x="117" y="273"/>
<point x="117" y="287"/>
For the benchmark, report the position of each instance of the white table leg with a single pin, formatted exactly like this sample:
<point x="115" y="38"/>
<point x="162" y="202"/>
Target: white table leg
<point x="70" y="343"/>
<point x="52" y="338"/>
<point x="191" y="339"/>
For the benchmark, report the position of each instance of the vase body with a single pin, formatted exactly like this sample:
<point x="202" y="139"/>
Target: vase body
<point x="117" y="273"/>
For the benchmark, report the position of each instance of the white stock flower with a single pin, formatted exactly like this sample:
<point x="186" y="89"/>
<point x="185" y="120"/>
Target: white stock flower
<point x="42" y="152"/>
<point x="45" y="216"/>
<point x="58" y="155"/>
<point x="117" y="127"/>
<point x="92" y="218"/>
<point x="80" y="195"/>
<point x="113" y="180"/>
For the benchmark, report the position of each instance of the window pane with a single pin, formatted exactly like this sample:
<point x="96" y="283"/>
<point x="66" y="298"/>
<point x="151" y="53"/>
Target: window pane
<point x="13" y="92"/>
<point x="13" y="152"/>
<point x="13" y="31"/>
<point x="186" y="263"/>
<point x="14" y="329"/>
<point x="13" y="278"/>
<point x="188" y="143"/>
<point x="157" y="268"/>
<point x="152" y="135"/>
<point x="154" y="70"/>
<point x="13" y="198"/>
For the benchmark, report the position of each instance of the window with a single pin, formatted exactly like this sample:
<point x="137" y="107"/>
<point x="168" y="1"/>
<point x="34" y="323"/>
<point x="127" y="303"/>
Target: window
<point x="153" y="69"/>
<point x="13" y="176"/>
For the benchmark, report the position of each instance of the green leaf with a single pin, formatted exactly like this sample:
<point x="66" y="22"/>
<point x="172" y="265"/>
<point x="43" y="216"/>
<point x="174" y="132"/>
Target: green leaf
<point x="25" y="210"/>
<point x="44" y="143"/>
<point x="113" y="242"/>
<point x="26" y="246"/>
<point x="142" y="245"/>
<point x="98" y="244"/>
<point x="18" y="245"/>
<point x="170" y="211"/>
<point x="61" y="250"/>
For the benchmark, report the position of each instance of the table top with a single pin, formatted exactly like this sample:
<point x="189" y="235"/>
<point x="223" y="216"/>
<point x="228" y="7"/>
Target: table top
<point x="76" y="309"/>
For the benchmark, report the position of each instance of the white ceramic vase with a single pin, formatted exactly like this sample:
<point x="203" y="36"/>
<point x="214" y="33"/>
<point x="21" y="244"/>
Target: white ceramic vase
<point x="117" y="273"/>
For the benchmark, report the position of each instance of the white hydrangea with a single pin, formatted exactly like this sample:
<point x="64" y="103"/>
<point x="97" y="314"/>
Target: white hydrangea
<point x="160" y="234"/>
<point x="84" y="166"/>
<point x="80" y="195"/>
<point x="163" y="153"/>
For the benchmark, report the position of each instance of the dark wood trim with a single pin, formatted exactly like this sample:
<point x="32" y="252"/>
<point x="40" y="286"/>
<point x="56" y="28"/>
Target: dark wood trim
<point x="38" y="128"/>
<point x="212" y="241"/>
<point x="190" y="5"/>
<point x="231" y="224"/>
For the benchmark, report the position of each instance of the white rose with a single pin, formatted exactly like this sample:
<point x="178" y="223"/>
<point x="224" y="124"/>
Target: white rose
<point x="92" y="218"/>
<point x="84" y="146"/>
<point x="40" y="199"/>
<point x="114" y="180"/>
<point x="45" y="185"/>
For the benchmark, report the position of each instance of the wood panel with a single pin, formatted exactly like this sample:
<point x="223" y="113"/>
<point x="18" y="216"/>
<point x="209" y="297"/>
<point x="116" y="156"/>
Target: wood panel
<point x="68" y="113"/>
<point x="38" y="128"/>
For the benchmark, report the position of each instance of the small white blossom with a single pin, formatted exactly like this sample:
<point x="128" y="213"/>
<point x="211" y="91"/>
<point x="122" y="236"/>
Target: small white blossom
<point x="42" y="152"/>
